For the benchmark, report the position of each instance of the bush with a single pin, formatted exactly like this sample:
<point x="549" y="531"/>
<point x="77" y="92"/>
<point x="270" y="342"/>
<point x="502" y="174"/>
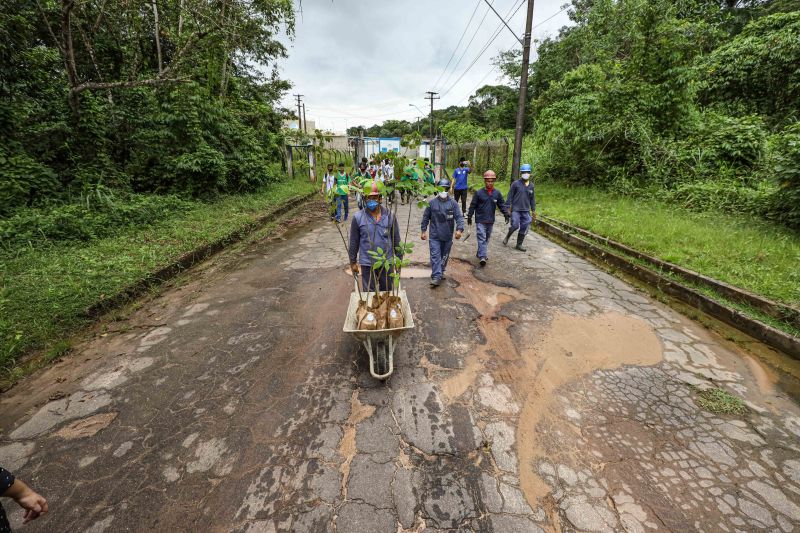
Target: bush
<point x="784" y="167"/>
<point x="86" y="220"/>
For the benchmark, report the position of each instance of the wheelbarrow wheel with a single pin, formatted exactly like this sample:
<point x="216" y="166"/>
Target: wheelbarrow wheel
<point x="381" y="358"/>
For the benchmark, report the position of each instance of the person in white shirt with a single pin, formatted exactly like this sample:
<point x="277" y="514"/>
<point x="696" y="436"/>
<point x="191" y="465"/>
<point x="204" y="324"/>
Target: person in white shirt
<point x="328" y="181"/>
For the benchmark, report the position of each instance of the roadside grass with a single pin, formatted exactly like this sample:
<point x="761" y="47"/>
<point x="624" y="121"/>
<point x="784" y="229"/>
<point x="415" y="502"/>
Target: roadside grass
<point x="720" y="401"/>
<point x="741" y="250"/>
<point x="44" y="292"/>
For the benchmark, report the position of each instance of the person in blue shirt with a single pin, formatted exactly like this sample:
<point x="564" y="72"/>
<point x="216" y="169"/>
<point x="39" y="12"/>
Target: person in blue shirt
<point x="522" y="203"/>
<point x="16" y="489"/>
<point x="373" y="227"/>
<point x="443" y="215"/>
<point x="484" y="203"/>
<point x="461" y="182"/>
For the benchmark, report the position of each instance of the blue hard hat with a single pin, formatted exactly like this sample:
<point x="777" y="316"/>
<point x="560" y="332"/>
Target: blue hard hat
<point x="525" y="168"/>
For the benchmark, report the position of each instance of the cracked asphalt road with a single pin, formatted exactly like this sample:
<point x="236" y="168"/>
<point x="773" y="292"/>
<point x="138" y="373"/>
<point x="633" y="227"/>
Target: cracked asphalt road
<point x="536" y="394"/>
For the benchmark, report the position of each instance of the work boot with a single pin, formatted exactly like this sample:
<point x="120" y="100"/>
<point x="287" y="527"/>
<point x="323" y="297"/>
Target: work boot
<point x="519" y="246"/>
<point x="435" y="282"/>
<point x="483" y="261"/>
<point x="508" y="236"/>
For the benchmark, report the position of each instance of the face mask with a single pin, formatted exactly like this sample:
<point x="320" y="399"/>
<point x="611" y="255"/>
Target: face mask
<point x="372" y="205"/>
<point x="526" y="177"/>
<point x="443" y="195"/>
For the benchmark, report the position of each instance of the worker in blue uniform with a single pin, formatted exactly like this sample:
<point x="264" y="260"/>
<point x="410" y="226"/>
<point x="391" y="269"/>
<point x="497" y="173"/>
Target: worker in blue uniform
<point x="461" y="185"/>
<point x="522" y="203"/>
<point x="373" y="227"/>
<point x="443" y="215"/>
<point x="483" y="205"/>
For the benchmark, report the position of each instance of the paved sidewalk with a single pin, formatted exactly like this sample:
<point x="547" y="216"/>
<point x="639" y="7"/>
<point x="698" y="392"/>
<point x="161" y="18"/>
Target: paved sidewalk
<point x="538" y="393"/>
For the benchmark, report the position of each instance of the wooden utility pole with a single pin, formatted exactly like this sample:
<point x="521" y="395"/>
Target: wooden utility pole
<point x="431" y="96"/>
<point x="305" y="124"/>
<point x="299" y="115"/>
<point x="523" y="93"/>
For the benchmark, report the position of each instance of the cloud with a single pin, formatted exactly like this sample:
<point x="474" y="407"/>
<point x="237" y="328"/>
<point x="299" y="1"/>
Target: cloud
<point x="359" y="62"/>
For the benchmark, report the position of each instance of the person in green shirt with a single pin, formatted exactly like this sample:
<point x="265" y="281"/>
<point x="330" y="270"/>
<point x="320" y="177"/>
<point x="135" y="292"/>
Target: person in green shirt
<point x="361" y="178"/>
<point x="428" y="173"/>
<point x="341" y="189"/>
<point x="409" y="176"/>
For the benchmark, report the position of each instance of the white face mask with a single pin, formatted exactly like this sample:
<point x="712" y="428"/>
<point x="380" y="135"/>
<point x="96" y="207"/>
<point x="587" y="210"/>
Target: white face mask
<point x="526" y="176"/>
<point x="443" y="195"/>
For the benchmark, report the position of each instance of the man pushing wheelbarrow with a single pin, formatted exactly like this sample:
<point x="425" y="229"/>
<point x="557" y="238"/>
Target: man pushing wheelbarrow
<point x="378" y="311"/>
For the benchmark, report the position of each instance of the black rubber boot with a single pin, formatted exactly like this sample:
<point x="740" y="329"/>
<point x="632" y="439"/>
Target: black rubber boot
<point x="519" y="246"/>
<point x="508" y="236"/>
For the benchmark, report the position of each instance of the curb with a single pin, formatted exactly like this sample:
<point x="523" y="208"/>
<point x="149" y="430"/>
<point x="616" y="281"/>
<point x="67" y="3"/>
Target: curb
<point x="765" y="333"/>
<point x="189" y="259"/>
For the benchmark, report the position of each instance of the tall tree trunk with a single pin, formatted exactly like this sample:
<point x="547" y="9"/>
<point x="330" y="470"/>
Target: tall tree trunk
<point x="158" y="38"/>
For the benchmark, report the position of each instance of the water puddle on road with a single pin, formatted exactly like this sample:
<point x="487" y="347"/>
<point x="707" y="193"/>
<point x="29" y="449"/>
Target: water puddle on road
<point x="571" y="348"/>
<point x="568" y="349"/>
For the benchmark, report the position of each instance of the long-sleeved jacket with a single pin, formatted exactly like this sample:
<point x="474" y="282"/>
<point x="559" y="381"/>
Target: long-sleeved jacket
<point x="443" y="216"/>
<point x="368" y="234"/>
<point x="6" y="480"/>
<point x="521" y="197"/>
<point x="483" y="206"/>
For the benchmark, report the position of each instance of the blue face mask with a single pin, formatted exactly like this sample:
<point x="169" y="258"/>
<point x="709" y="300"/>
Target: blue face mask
<point x="372" y="205"/>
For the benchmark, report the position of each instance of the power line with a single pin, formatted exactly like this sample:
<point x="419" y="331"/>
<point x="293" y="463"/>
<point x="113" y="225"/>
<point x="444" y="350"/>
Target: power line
<point x="477" y="5"/>
<point x="466" y="49"/>
<point x="483" y="50"/>
<point x="480" y="84"/>
<point x="554" y="15"/>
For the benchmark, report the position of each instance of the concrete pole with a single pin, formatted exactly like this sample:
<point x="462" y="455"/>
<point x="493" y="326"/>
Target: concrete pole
<point x="523" y="94"/>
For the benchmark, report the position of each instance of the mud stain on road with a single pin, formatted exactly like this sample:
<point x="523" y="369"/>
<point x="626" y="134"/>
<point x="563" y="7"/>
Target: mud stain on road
<point x="569" y="349"/>
<point x="487" y="299"/>
<point x="347" y="446"/>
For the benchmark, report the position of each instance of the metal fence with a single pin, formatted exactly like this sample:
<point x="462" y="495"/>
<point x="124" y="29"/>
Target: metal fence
<point x="483" y="155"/>
<point x="297" y="162"/>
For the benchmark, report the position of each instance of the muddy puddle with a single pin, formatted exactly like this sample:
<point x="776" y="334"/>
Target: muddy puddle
<point x="570" y="347"/>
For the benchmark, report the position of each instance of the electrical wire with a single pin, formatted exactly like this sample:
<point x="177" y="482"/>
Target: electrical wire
<point x="497" y="31"/>
<point x="477" y="4"/>
<point x="483" y="50"/>
<point x="466" y="49"/>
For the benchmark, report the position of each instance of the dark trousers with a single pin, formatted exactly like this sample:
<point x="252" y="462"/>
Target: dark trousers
<point x="461" y="193"/>
<point x="385" y="282"/>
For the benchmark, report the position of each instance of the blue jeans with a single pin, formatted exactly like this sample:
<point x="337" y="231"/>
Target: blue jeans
<point x="483" y="232"/>
<point x="342" y="202"/>
<point x="521" y="220"/>
<point x="440" y="253"/>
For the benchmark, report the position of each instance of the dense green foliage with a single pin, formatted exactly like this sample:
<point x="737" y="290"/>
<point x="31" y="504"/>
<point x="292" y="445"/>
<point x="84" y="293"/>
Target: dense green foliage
<point x="689" y="101"/>
<point x="692" y="101"/>
<point x="142" y="97"/>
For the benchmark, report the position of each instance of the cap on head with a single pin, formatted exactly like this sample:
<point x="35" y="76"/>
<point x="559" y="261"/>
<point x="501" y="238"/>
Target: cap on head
<point x="525" y="168"/>
<point x="444" y="182"/>
<point x="489" y="175"/>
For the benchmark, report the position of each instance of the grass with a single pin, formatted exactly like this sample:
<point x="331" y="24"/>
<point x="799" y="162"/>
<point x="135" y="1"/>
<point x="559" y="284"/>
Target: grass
<point x="720" y="401"/>
<point x="44" y="291"/>
<point x="746" y="252"/>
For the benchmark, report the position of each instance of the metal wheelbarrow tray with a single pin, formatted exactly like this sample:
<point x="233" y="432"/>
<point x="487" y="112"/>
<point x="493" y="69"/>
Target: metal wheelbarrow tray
<point x="379" y="343"/>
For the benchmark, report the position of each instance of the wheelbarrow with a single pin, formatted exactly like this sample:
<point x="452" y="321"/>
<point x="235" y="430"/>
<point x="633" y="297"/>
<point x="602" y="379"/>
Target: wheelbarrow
<point x="379" y="343"/>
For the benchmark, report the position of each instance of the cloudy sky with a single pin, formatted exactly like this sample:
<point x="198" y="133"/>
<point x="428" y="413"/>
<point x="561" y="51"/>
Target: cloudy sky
<point x="363" y="62"/>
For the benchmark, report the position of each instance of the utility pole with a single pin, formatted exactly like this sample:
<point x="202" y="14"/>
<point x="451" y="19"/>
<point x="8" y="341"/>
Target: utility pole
<point x="431" y="96"/>
<point x="305" y="124"/>
<point x="299" y="115"/>
<point x="523" y="93"/>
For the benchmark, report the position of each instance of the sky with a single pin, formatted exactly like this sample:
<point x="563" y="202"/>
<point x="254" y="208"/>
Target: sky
<point x="359" y="64"/>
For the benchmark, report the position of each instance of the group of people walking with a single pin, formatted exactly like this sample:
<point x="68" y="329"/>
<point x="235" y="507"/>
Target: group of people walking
<point x="443" y="219"/>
